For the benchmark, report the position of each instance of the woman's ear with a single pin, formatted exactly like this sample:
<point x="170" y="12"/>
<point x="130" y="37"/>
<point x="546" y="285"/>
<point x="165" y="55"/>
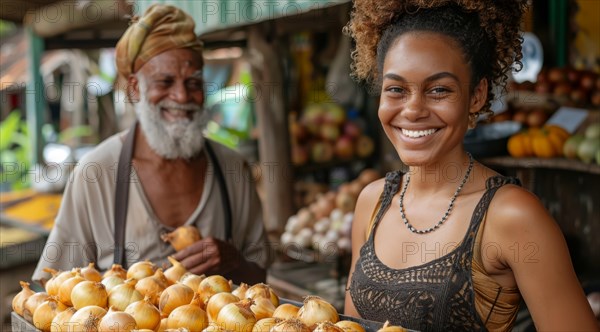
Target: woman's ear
<point x="133" y="89"/>
<point x="479" y="96"/>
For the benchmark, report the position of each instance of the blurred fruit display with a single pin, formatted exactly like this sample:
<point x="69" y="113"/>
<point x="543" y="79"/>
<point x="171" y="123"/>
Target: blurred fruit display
<point x="324" y="132"/>
<point x="554" y="142"/>
<point x="568" y="86"/>
<point x="325" y="224"/>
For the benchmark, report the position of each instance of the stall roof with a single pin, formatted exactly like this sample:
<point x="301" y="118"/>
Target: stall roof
<point x="71" y="23"/>
<point x="217" y="15"/>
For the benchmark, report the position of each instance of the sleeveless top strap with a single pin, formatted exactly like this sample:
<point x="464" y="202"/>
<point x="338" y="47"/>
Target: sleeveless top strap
<point x="391" y="188"/>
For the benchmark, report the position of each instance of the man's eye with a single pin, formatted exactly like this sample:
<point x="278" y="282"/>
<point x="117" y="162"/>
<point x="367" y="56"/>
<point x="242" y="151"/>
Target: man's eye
<point x="164" y="82"/>
<point x="195" y="84"/>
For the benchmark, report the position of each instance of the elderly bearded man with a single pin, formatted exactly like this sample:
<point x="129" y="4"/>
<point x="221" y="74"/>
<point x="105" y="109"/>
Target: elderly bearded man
<point x="175" y="177"/>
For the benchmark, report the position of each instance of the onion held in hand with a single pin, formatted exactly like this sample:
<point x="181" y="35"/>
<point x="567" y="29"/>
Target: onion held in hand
<point x="182" y="237"/>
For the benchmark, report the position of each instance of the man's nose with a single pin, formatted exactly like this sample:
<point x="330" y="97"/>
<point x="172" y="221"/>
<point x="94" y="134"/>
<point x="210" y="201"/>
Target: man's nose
<point x="179" y="93"/>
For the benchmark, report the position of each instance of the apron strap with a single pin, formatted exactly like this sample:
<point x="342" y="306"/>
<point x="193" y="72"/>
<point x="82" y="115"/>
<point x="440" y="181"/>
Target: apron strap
<point x="122" y="194"/>
<point x="223" y="187"/>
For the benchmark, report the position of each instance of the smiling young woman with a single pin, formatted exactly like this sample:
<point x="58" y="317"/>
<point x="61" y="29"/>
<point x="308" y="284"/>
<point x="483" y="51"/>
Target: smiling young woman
<point x="436" y="248"/>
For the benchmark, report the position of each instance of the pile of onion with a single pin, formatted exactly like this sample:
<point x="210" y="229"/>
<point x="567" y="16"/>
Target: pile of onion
<point x="18" y="302"/>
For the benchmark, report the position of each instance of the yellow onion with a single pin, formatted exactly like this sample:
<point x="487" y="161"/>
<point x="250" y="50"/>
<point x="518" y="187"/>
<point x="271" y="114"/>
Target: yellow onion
<point x="123" y="295"/>
<point x="240" y="292"/>
<point x="262" y="308"/>
<point x="192" y="280"/>
<point x="390" y="328"/>
<point x="152" y="286"/>
<point x="189" y="316"/>
<point x="217" y="302"/>
<point x="32" y="303"/>
<point x="18" y="302"/>
<point x="290" y="325"/>
<point x="88" y="293"/>
<point x="350" y="326"/>
<point x="116" y="270"/>
<point x="86" y="319"/>
<point x="60" y="323"/>
<point x="316" y="310"/>
<point x="162" y="326"/>
<point x="111" y="282"/>
<point x="140" y="270"/>
<point x="265" y="324"/>
<point x="212" y="285"/>
<point x="237" y="316"/>
<point x="146" y="315"/>
<point x="90" y="273"/>
<point x="65" y="289"/>
<point x="263" y="290"/>
<point x="327" y="327"/>
<point x="45" y="313"/>
<point x="215" y="328"/>
<point x="176" y="271"/>
<point x="54" y="273"/>
<point x="143" y="330"/>
<point x="174" y="296"/>
<point x="182" y="237"/>
<point x="117" y="321"/>
<point x="53" y="285"/>
<point x="286" y="311"/>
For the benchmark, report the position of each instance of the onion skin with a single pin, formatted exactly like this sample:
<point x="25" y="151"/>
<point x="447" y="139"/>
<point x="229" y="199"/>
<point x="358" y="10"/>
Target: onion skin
<point x="152" y="286"/>
<point x="212" y="285"/>
<point x="115" y="270"/>
<point x="88" y="293"/>
<point x="45" y="313"/>
<point x="286" y="311"/>
<point x="240" y="292"/>
<point x="263" y="290"/>
<point x="237" y="316"/>
<point x="217" y="302"/>
<point x="141" y="270"/>
<point x="265" y="324"/>
<point x="18" y="302"/>
<point x="123" y="295"/>
<point x="111" y="282"/>
<point x="262" y="308"/>
<point x="53" y="285"/>
<point x="32" y="303"/>
<point x="146" y="315"/>
<point x="316" y="310"/>
<point x="290" y="325"/>
<point x="175" y="272"/>
<point x="86" y="319"/>
<point x="117" y="321"/>
<point x="390" y="328"/>
<point x="60" y="321"/>
<point x="90" y="273"/>
<point x="192" y="280"/>
<point x="65" y="289"/>
<point x="190" y="316"/>
<point x="173" y="297"/>
<point x="327" y="327"/>
<point x="350" y="326"/>
<point x="182" y="237"/>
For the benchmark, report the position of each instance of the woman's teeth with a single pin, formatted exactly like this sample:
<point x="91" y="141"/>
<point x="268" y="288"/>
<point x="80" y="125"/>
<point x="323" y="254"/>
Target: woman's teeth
<point x="418" y="133"/>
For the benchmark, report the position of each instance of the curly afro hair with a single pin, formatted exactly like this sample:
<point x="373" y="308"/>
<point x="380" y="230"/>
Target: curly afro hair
<point x="486" y="30"/>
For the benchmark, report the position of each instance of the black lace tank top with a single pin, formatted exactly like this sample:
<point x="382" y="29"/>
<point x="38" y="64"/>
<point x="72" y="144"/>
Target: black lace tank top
<point x="434" y="296"/>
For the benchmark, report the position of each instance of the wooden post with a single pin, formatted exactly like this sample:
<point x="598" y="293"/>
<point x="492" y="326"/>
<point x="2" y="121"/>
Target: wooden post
<point x="35" y="98"/>
<point x="273" y="143"/>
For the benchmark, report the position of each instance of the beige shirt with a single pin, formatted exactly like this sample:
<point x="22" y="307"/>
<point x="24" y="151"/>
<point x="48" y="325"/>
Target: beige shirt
<point x="84" y="228"/>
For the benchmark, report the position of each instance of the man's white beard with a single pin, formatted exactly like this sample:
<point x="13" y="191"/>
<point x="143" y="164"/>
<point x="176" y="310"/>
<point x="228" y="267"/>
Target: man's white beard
<point x="171" y="139"/>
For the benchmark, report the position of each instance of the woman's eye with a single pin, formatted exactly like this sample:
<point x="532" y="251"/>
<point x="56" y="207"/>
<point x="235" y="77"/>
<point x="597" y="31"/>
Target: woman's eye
<point x="396" y="89"/>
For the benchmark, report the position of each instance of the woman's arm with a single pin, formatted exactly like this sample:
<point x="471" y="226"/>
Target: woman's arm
<point x="365" y="205"/>
<point x="533" y="247"/>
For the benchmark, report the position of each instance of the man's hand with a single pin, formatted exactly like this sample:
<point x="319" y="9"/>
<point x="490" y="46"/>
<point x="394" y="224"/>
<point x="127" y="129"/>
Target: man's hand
<point x="209" y="256"/>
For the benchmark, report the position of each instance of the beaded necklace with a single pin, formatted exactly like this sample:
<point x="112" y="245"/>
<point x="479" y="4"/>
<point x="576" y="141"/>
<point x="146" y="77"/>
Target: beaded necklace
<point x="450" y="207"/>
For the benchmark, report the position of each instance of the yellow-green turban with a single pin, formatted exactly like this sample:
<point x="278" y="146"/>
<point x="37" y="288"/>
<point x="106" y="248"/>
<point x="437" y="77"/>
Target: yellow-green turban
<point x="161" y="28"/>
